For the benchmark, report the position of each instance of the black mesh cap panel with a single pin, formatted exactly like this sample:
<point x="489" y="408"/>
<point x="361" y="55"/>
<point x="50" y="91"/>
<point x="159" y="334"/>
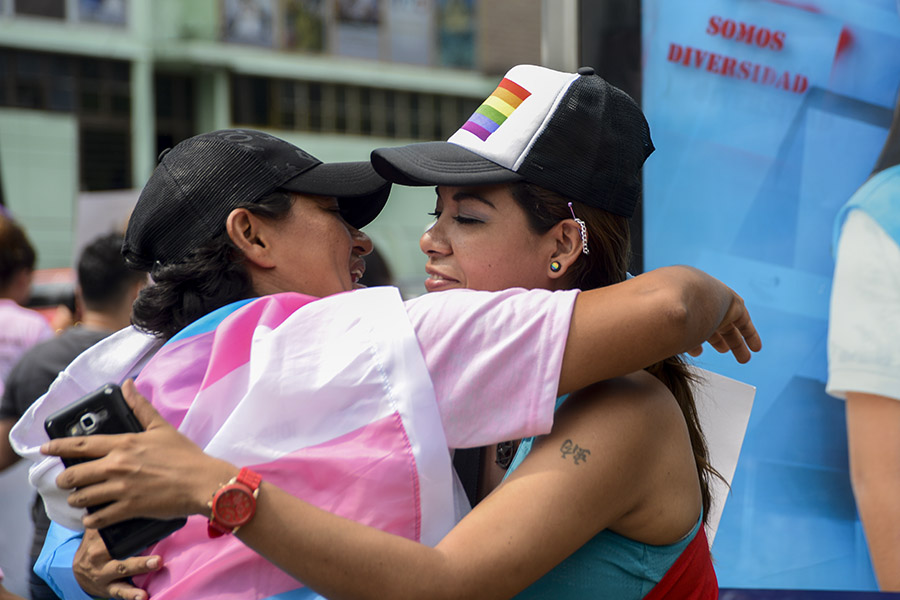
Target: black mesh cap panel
<point x="199" y="182"/>
<point x="189" y="196"/>
<point x="593" y="148"/>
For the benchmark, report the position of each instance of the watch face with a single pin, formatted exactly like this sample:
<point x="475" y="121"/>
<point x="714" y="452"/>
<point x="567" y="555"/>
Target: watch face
<point x="233" y="507"/>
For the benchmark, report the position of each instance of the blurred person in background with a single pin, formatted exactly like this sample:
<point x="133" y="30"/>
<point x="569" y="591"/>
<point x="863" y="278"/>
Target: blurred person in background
<point x="20" y="328"/>
<point x="105" y="292"/>
<point x="864" y="351"/>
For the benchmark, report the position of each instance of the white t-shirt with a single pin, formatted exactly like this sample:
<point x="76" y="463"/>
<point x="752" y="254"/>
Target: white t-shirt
<point x="864" y="324"/>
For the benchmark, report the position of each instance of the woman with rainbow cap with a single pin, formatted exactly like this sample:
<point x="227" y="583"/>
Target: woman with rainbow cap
<point x="499" y="548"/>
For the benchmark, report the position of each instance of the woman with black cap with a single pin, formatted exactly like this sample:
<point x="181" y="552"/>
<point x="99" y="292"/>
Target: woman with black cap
<point x="471" y="347"/>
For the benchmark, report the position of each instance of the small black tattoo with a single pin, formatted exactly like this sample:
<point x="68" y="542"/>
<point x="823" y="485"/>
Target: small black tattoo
<point x="579" y="454"/>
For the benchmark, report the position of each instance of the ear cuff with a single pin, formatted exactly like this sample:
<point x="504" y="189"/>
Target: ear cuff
<point x="584" y="235"/>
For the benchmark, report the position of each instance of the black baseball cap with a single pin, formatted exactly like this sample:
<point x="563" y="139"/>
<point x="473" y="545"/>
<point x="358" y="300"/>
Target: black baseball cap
<point x="196" y="184"/>
<point x="572" y="133"/>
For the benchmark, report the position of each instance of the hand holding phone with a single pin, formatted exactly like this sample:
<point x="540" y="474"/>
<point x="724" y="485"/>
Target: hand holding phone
<point x="105" y="411"/>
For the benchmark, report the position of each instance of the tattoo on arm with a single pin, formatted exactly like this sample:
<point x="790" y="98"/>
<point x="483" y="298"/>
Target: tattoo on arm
<point x="579" y="454"/>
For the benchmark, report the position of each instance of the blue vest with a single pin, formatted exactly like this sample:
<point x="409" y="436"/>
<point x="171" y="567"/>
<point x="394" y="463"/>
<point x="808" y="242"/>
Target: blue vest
<point x="878" y="197"/>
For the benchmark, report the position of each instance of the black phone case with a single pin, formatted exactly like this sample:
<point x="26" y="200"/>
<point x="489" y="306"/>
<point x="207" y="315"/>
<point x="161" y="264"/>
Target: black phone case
<point x="108" y="412"/>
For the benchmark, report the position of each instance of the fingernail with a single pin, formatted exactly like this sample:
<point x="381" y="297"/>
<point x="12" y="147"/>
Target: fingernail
<point x="44" y="447"/>
<point x="153" y="562"/>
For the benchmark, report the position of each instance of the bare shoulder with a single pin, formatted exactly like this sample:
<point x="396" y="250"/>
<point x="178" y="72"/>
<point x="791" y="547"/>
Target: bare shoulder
<point x="638" y="404"/>
<point x="623" y="444"/>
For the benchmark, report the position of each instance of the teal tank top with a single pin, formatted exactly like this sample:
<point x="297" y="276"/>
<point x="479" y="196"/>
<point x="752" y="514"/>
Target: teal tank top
<point x="608" y="565"/>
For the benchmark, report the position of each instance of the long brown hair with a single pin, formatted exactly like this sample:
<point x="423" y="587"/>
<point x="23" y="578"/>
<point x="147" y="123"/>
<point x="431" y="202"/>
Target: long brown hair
<point x="609" y="240"/>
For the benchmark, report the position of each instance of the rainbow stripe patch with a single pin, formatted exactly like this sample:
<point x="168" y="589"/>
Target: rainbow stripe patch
<point x="496" y="109"/>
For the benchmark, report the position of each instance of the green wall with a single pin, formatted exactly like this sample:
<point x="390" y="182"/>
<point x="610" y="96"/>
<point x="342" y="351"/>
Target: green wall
<point x="39" y="171"/>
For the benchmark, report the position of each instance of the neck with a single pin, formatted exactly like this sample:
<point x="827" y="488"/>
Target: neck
<point x="101" y="321"/>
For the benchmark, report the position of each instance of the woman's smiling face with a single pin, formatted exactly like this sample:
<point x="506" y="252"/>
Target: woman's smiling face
<point x="481" y="240"/>
<point x="316" y="252"/>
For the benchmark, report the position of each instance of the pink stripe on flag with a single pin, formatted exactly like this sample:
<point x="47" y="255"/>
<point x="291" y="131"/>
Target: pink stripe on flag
<point x="231" y="347"/>
<point x="185" y="367"/>
<point x="368" y="475"/>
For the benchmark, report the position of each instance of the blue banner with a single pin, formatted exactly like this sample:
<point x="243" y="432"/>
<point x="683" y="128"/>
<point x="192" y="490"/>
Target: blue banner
<point x="767" y="115"/>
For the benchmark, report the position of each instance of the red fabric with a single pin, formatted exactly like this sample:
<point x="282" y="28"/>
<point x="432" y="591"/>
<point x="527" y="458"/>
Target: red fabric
<point x="692" y="577"/>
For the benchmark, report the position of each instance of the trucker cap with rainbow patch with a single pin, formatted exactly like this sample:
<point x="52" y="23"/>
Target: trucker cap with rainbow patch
<point x="572" y="133"/>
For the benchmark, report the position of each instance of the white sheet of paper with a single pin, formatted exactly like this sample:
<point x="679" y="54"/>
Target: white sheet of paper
<point x="723" y="405"/>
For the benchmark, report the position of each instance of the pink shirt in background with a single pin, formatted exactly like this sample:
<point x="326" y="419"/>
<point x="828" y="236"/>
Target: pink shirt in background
<point x="20" y="329"/>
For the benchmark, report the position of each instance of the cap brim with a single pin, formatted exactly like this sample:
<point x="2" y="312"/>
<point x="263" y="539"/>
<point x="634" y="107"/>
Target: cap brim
<point x="360" y="191"/>
<point x="438" y="163"/>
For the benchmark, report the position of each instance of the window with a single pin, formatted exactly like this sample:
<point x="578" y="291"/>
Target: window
<point x="96" y="91"/>
<point x="53" y="9"/>
<point x="340" y="108"/>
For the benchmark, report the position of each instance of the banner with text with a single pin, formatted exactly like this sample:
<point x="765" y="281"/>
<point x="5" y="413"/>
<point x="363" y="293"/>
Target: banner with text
<point x="767" y="115"/>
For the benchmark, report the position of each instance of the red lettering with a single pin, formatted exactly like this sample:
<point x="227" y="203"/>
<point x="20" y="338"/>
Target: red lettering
<point x="675" y="52"/>
<point x="783" y="82"/>
<point x="728" y="65"/>
<point x="755" y="73"/>
<point x="778" y="41"/>
<point x="700" y="57"/>
<point x="728" y="29"/>
<point x="746" y="32"/>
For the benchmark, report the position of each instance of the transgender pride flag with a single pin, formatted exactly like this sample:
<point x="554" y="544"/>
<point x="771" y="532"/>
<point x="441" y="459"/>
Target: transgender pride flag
<point x="496" y="109"/>
<point x="332" y="408"/>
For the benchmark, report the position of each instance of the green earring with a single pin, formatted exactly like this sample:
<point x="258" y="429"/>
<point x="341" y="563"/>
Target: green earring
<point x="555" y="266"/>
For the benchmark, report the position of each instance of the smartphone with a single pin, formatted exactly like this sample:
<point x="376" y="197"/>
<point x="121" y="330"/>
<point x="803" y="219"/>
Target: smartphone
<point x="105" y="411"/>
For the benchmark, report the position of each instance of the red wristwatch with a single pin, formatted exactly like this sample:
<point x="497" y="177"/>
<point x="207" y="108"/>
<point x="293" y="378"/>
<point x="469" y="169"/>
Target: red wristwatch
<point x="234" y="504"/>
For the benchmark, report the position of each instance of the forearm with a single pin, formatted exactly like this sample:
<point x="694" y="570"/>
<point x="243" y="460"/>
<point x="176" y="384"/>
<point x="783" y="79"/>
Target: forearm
<point x="874" y="443"/>
<point x="623" y="328"/>
<point x="342" y="559"/>
<point x="880" y="516"/>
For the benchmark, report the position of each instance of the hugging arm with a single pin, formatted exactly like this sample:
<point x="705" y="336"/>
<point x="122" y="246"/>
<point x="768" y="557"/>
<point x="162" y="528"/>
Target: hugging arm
<point x="873" y="437"/>
<point x="546" y="509"/>
<point x="625" y="327"/>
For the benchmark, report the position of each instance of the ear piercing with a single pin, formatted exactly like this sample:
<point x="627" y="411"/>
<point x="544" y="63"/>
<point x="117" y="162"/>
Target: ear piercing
<point x="584" y="244"/>
<point x="555" y="266"/>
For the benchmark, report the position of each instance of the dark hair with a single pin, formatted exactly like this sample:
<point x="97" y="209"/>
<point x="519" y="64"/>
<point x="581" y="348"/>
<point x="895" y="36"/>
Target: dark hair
<point x="212" y="276"/>
<point x="16" y="252"/>
<point x="103" y="276"/>
<point x="609" y="239"/>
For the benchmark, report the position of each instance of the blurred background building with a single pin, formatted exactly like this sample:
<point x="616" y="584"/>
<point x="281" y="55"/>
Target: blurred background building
<point x="92" y="90"/>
